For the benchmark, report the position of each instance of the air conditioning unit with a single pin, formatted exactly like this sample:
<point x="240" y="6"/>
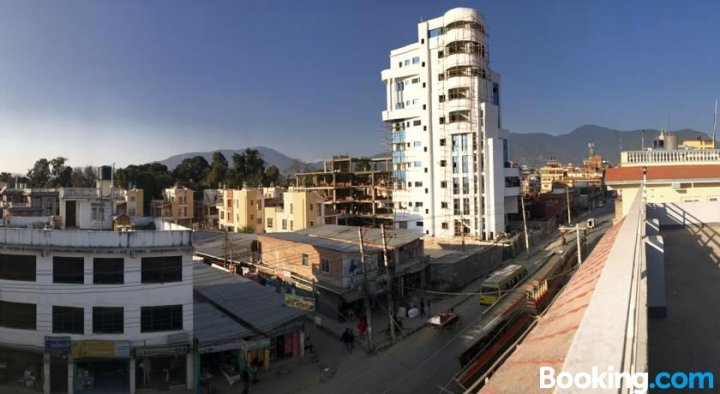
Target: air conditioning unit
<point x="677" y="186"/>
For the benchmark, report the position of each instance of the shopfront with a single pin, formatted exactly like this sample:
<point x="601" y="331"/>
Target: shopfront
<point x="101" y="366"/>
<point x="20" y="368"/>
<point x="159" y="367"/>
<point x="57" y="353"/>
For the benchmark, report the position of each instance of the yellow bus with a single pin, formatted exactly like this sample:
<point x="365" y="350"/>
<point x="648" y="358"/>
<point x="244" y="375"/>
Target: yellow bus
<point x="500" y="282"/>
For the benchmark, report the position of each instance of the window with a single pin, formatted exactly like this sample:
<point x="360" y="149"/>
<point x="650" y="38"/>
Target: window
<point x="407" y="62"/>
<point x="443" y="205"/>
<point x="435" y="32"/>
<point x="305" y="259"/>
<point x="454" y="164"/>
<point x="417" y="143"/>
<point x="291" y="208"/>
<point x="68" y="320"/>
<point x="291" y="225"/>
<point x="108" y="320"/>
<point x="440" y="54"/>
<point x="68" y="270"/>
<point x="442" y="120"/>
<point x="444" y="225"/>
<point x="324" y="265"/>
<point x="402" y="225"/>
<point x="441" y="77"/>
<point x="269" y="223"/>
<point x="161" y="318"/>
<point x="98" y="212"/>
<point x="443" y="163"/>
<point x="312" y="223"/>
<point x="161" y="269"/>
<point x="419" y="224"/>
<point x="459" y="116"/>
<point x="456" y="186"/>
<point x="441" y="98"/>
<point x="442" y="141"/>
<point x="458" y="93"/>
<point x="465" y="185"/>
<point x="419" y="204"/>
<point x="108" y="271"/>
<point x="466" y="206"/>
<point x="284" y="224"/>
<point x="259" y="221"/>
<point x="17" y="267"/>
<point x="465" y="163"/>
<point x="310" y="206"/>
<point x="18" y="315"/>
<point x="456" y="206"/>
<point x="416" y="60"/>
<point x="443" y="184"/>
<point x="416" y="122"/>
<point x="417" y="164"/>
<point x="415" y="80"/>
<point x="418" y="184"/>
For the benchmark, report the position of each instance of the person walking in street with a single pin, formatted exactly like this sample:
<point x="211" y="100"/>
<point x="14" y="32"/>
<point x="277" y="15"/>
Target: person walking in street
<point x="422" y="307"/>
<point x="246" y="381"/>
<point x="308" y="344"/>
<point x="254" y="369"/>
<point x="348" y="338"/>
<point x="427" y="305"/>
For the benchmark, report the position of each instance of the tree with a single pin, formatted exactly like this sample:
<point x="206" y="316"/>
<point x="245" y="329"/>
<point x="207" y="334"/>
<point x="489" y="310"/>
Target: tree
<point x="218" y="169"/>
<point x="254" y="168"/>
<point x="83" y="177"/>
<point x="5" y="177"/>
<point x="272" y="176"/>
<point x="192" y="172"/>
<point x="39" y="175"/>
<point x="60" y="174"/>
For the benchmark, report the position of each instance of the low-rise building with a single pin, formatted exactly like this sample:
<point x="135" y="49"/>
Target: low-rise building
<point x="295" y="210"/>
<point x="177" y="205"/>
<point x="240" y="210"/>
<point x="83" y="307"/>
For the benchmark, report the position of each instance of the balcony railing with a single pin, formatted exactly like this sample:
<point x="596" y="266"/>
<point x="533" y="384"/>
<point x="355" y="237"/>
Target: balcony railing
<point x="669" y="156"/>
<point x="83" y="192"/>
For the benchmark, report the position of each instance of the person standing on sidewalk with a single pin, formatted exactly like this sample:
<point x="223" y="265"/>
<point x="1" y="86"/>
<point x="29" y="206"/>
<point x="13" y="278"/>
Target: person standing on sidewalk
<point x="422" y="307"/>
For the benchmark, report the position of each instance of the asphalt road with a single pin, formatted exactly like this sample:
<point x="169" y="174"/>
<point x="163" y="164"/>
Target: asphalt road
<point x="427" y="361"/>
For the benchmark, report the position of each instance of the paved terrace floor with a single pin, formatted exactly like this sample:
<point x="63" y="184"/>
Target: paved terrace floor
<point x="687" y="340"/>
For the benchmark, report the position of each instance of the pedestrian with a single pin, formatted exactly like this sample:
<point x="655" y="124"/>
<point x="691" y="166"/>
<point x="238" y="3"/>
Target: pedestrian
<point x="246" y="381"/>
<point x="348" y="338"/>
<point x="308" y="344"/>
<point x="427" y="305"/>
<point x="422" y="307"/>
<point x="254" y="369"/>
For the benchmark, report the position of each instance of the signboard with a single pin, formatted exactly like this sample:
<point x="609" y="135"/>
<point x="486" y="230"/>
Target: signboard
<point x="298" y="302"/>
<point x="256" y="344"/>
<point x="100" y="349"/>
<point x="57" y="344"/>
<point x="161" y="350"/>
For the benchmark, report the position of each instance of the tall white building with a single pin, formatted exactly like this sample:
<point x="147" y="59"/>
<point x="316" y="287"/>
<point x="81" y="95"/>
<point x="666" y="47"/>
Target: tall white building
<point x="450" y="153"/>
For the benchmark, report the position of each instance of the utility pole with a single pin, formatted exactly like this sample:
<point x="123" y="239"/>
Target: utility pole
<point x="527" y="241"/>
<point x="577" y="229"/>
<point x="567" y="197"/>
<point x="390" y="285"/>
<point x="368" y="314"/>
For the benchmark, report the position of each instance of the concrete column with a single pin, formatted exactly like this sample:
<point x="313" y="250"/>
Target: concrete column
<point x="133" y="379"/>
<point x="71" y="375"/>
<point x="189" y="376"/>
<point x="46" y="373"/>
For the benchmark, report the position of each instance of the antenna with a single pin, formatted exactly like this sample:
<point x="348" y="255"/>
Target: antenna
<point x="714" y="122"/>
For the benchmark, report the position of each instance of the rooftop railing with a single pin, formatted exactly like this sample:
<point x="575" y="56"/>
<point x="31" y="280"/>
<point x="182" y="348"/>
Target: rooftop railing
<point x="644" y="157"/>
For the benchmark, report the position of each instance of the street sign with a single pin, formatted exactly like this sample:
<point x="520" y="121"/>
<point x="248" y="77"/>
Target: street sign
<point x="57" y="344"/>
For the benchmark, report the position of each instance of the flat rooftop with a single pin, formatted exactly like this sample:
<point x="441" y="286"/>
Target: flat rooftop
<point x="687" y="339"/>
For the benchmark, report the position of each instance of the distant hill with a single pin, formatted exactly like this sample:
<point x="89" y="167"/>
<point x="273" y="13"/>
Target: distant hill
<point x="535" y="149"/>
<point x="271" y="157"/>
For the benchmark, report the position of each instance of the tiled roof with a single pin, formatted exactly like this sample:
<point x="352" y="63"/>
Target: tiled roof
<point x="672" y="172"/>
<point x="549" y="342"/>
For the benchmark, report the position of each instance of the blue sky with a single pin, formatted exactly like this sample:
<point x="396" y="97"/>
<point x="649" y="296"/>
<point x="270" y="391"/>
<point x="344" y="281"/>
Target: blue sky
<point x="135" y="81"/>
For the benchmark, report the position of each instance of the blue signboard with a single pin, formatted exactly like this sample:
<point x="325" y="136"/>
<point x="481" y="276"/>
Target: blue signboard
<point x="57" y="344"/>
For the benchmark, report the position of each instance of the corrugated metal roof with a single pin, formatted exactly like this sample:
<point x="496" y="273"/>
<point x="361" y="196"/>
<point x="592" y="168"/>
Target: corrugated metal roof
<point x="549" y="342"/>
<point x="339" y="246"/>
<point x="211" y="324"/>
<point x="395" y="238"/>
<point x="670" y="172"/>
<point x="258" y="306"/>
<point x="213" y="244"/>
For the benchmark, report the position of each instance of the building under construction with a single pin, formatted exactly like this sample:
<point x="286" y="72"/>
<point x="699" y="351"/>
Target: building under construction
<point x="357" y="191"/>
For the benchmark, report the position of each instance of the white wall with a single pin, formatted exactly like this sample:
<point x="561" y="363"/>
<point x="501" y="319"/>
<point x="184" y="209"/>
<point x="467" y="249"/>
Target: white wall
<point x="685" y="213"/>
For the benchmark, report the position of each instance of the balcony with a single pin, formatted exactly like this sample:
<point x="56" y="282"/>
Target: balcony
<point x="658" y="157"/>
<point x="77" y="193"/>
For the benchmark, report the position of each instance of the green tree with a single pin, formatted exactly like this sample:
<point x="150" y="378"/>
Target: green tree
<point x="39" y="175"/>
<point x="218" y="169"/>
<point x="83" y="177"/>
<point x="60" y="174"/>
<point x="192" y="172"/>
<point x="272" y="176"/>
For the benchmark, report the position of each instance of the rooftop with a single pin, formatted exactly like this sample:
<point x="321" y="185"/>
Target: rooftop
<point x="395" y="238"/>
<point x="663" y="173"/>
<point x="338" y="246"/>
<point x="679" y="156"/>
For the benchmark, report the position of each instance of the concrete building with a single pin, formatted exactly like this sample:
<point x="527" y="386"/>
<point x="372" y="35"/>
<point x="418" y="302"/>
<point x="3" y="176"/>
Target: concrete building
<point x="240" y="210"/>
<point x="699" y="143"/>
<point x="294" y="210"/>
<point x="449" y="150"/>
<point x="357" y="191"/>
<point x="83" y="307"/>
<point x="551" y="173"/>
<point x="177" y="206"/>
<point x="133" y="202"/>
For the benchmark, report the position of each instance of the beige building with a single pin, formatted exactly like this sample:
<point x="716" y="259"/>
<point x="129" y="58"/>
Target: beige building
<point x="550" y="173"/>
<point x="176" y="206"/>
<point x="240" y="210"/>
<point x="672" y="176"/>
<point x="698" y="144"/>
<point x="134" y="202"/>
<point x="299" y="210"/>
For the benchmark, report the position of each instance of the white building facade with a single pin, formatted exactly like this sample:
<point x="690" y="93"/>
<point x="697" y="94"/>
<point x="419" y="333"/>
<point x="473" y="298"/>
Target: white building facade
<point x="450" y="153"/>
<point x="95" y="309"/>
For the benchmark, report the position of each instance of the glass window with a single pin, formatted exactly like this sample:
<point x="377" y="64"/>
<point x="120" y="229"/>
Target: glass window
<point x="466" y="206"/>
<point x="161" y="318"/>
<point x="324" y="265"/>
<point x="17" y="267"/>
<point x="68" y="270"/>
<point x="435" y="32"/>
<point x="418" y="164"/>
<point x="464" y="142"/>
<point x="68" y="320"/>
<point x="161" y="269"/>
<point x="108" y="271"/>
<point x="18" y="315"/>
<point x="466" y="185"/>
<point x="454" y="164"/>
<point x="305" y="259"/>
<point x="465" y="163"/>
<point x="108" y="320"/>
<point x="416" y="60"/>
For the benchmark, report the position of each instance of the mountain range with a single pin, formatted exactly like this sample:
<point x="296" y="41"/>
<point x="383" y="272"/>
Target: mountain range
<point x="533" y="149"/>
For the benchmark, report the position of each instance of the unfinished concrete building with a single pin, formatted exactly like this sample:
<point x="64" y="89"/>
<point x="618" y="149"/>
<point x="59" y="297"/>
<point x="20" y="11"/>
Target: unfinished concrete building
<point x="357" y="191"/>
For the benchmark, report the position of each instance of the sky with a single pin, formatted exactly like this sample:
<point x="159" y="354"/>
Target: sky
<point x="129" y="82"/>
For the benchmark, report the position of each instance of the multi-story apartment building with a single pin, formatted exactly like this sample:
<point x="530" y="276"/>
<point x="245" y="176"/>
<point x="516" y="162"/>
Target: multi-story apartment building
<point x="240" y="210"/>
<point x="294" y="210"/>
<point x="83" y="307"/>
<point x="176" y="206"/>
<point x="449" y="151"/>
<point x="357" y="191"/>
<point x="550" y="173"/>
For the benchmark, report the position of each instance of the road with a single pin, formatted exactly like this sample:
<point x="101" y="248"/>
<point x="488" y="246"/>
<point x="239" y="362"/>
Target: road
<point x="427" y="361"/>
